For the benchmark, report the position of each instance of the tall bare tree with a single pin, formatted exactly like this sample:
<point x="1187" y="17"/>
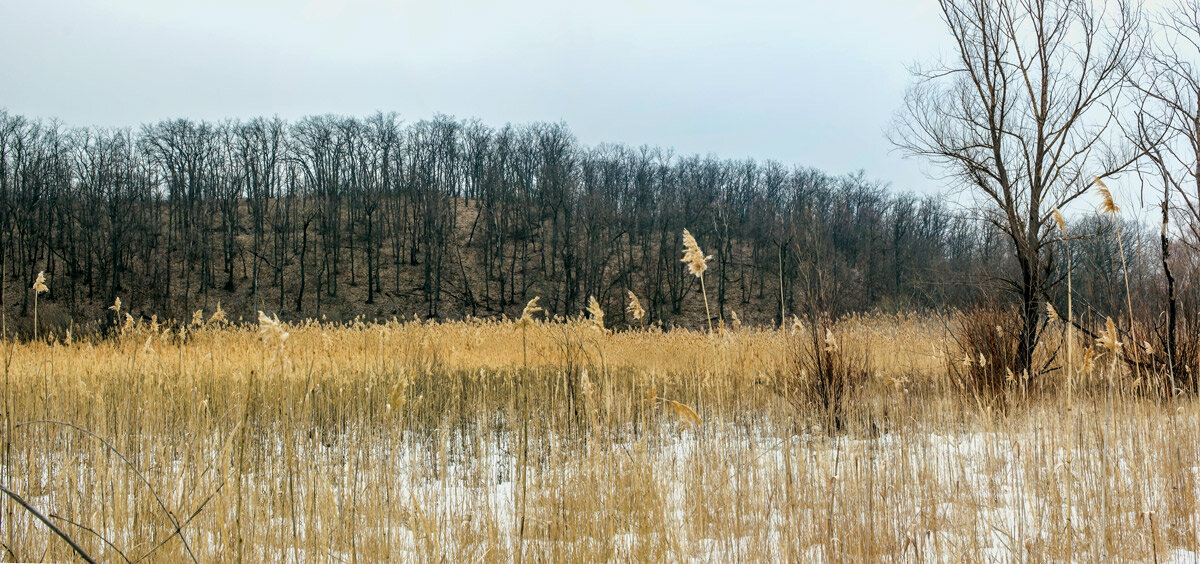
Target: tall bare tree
<point x="1168" y="132"/>
<point x="1024" y="118"/>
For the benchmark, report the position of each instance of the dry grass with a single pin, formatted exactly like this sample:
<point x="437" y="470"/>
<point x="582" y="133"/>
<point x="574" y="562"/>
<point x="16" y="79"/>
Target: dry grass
<point x="984" y="362"/>
<point x="430" y="442"/>
<point x="825" y="373"/>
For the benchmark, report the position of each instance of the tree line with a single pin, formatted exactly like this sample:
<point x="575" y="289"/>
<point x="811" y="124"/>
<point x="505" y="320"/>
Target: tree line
<point x="336" y="216"/>
<point x="339" y="216"/>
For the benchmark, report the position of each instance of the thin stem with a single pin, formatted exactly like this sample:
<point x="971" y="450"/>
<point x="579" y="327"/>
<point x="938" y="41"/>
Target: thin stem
<point x="524" y="440"/>
<point x="1070" y="319"/>
<point x="782" y="313"/>
<point x="1070" y="378"/>
<point x="94" y="533"/>
<point x="1128" y="299"/>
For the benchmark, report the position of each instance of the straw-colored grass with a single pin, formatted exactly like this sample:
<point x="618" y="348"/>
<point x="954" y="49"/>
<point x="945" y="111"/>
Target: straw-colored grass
<point x="418" y="441"/>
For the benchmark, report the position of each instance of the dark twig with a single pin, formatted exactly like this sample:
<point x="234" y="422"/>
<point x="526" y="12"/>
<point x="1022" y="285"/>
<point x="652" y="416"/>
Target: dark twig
<point x="88" y="529"/>
<point x="185" y="523"/>
<point x="136" y="472"/>
<point x="43" y="519"/>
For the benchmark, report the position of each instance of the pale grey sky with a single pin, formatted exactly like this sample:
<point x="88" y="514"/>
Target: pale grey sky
<point x="810" y="82"/>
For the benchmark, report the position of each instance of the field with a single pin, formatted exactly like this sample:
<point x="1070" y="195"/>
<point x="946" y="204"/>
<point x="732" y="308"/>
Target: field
<point x="557" y="441"/>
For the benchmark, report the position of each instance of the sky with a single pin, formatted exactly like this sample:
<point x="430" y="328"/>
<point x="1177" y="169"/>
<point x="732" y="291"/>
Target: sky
<point x="809" y="82"/>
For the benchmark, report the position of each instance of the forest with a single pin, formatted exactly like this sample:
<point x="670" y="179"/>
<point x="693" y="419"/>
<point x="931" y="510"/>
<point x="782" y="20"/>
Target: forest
<point x="335" y="217"/>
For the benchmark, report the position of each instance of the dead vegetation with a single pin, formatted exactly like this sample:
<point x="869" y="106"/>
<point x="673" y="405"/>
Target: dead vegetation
<point x="464" y="441"/>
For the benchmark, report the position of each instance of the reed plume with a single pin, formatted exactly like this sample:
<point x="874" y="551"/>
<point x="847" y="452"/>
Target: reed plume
<point x="831" y="344"/>
<point x="1109" y="207"/>
<point x="1058" y="218"/>
<point x="595" y="313"/>
<point x="695" y="259"/>
<point x="697" y="263"/>
<point x="1062" y="227"/>
<point x="530" y="310"/>
<point x="269" y="327"/>
<point x="635" y="307"/>
<point x="524" y="322"/>
<point x="39" y="286"/>
<point x="1109" y="340"/>
<point x="217" y="316"/>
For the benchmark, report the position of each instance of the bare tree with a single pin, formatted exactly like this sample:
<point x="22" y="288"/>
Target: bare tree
<point x="1024" y="118"/>
<point x="1168" y="132"/>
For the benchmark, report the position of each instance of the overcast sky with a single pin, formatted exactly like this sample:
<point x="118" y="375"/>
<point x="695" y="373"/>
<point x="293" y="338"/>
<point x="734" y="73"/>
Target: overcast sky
<point x="811" y="82"/>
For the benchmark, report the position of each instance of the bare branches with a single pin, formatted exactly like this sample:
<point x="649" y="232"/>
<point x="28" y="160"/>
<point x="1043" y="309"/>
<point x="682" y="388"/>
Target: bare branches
<point x="1026" y="115"/>
<point x="1167" y="128"/>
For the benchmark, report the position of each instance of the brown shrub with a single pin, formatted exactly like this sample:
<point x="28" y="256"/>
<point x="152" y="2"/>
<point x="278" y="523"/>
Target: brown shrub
<point x="984" y="360"/>
<point x="823" y="373"/>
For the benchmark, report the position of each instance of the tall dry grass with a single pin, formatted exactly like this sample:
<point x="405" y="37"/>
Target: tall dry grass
<point x="541" y="441"/>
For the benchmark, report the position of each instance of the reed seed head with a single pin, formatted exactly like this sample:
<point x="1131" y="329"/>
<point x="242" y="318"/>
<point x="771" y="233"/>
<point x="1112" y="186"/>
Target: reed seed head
<point x="831" y="344"/>
<point x="635" y="307"/>
<point x="695" y="259"/>
<point x="1058" y="218"/>
<point x="530" y="310"/>
<point x="217" y="316"/>
<point x="1107" y="205"/>
<point x="271" y="327"/>
<point x="39" y="285"/>
<point x="1109" y="339"/>
<point x="596" y="314"/>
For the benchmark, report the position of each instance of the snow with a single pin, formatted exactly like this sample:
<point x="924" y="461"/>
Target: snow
<point x="982" y="503"/>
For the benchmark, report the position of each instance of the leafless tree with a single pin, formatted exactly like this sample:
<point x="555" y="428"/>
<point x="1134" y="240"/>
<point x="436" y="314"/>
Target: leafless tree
<point x="1168" y="132"/>
<point x="1024" y="118"/>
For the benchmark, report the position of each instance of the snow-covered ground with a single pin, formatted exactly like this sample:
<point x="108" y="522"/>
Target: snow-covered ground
<point x="704" y="496"/>
<point x="934" y="497"/>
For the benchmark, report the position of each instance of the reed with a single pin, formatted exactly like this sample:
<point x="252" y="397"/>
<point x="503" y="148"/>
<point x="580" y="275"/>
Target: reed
<point x="697" y="263"/>
<point x="462" y="441"/>
<point x="39" y="286"/>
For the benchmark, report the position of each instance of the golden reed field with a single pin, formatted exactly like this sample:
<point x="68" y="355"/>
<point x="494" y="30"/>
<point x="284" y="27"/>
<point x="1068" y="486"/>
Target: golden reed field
<point x="557" y="440"/>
